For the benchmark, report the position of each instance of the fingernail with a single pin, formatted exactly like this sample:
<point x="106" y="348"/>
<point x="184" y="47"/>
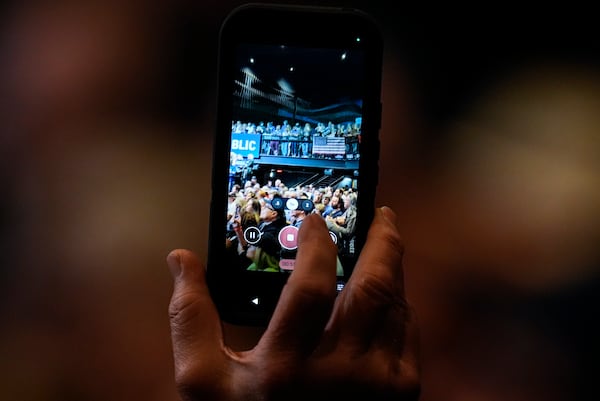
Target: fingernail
<point x="388" y="214"/>
<point x="174" y="263"/>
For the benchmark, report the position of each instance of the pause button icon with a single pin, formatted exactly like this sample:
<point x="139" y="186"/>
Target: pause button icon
<point x="252" y="235"/>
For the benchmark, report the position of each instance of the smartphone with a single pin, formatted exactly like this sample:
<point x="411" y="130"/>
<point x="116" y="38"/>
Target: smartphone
<point x="297" y="132"/>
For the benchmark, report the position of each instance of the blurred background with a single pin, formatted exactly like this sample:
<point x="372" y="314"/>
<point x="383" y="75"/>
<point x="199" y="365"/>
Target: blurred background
<point x="490" y="143"/>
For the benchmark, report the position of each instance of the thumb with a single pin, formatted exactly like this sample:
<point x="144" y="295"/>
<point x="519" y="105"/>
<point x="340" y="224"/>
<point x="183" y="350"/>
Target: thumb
<point x="196" y="331"/>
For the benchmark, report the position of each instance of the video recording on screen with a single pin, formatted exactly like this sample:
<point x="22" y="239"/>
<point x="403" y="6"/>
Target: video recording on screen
<point x="295" y="151"/>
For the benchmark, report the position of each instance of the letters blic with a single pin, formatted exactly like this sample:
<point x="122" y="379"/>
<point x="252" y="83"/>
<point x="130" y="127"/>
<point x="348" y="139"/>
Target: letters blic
<point x="246" y="144"/>
<point x="243" y="144"/>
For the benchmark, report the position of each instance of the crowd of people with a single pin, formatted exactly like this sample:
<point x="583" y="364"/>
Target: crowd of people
<point x="296" y="140"/>
<point x="253" y="206"/>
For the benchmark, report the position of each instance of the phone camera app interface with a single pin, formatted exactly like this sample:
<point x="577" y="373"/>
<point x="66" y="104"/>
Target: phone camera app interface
<point x="295" y="150"/>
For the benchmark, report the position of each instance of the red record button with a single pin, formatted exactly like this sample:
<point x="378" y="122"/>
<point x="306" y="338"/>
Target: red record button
<point x="288" y="237"/>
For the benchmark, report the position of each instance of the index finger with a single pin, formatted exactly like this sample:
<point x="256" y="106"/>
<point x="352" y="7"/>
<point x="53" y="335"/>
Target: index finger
<point x="307" y="298"/>
<point x="376" y="285"/>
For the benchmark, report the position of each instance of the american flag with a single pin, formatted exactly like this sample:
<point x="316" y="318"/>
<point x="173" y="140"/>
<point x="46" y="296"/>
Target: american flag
<point x="329" y="145"/>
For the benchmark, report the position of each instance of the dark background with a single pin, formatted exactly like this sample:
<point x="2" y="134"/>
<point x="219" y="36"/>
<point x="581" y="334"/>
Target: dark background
<point x="489" y="156"/>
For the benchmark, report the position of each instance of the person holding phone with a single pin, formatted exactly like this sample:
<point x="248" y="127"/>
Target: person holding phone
<point x="361" y="344"/>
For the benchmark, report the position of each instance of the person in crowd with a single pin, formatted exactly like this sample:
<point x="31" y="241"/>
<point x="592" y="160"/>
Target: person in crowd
<point x="307" y="133"/>
<point x="232" y="206"/>
<point x="298" y="216"/>
<point x="265" y="254"/>
<point x="333" y="208"/>
<point x="344" y="225"/>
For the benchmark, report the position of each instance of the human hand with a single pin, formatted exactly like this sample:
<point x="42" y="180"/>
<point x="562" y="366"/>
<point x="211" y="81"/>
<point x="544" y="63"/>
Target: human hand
<point x="361" y="344"/>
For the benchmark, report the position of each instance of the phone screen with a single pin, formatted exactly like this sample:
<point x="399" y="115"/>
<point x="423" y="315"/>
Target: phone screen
<point x="295" y="150"/>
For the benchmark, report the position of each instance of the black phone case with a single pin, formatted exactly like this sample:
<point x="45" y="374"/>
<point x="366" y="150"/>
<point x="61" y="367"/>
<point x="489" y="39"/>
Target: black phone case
<point x="249" y="298"/>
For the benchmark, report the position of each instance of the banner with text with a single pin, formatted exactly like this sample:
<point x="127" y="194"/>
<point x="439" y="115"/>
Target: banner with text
<point x="246" y="144"/>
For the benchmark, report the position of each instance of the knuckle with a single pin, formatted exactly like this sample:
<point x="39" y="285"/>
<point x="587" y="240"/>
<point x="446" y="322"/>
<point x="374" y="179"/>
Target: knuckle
<point x="408" y="382"/>
<point x="191" y="387"/>
<point x="182" y="308"/>
<point x="375" y="287"/>
<point x="395" y="379"/>
<point x="312" y="290"/>
<point x="198" y="378"/>
<point x="391" y="239"/>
